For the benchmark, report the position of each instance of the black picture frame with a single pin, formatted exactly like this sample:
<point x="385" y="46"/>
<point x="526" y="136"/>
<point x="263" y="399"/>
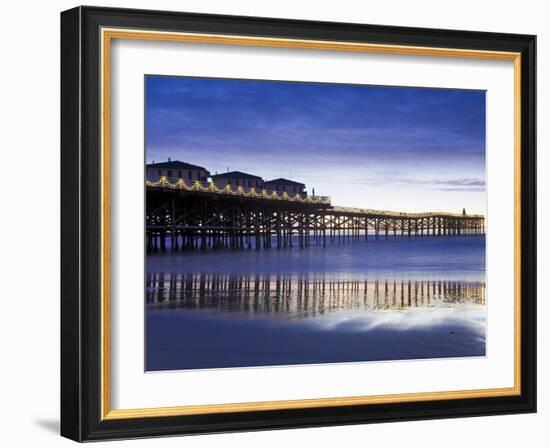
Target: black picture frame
<point x="81" y="224"/>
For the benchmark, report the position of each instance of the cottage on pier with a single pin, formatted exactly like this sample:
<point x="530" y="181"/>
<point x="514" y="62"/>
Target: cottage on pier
<point x="237" y="179"/>
<point x="285" y="185"/>
<point x="173" y="170"/>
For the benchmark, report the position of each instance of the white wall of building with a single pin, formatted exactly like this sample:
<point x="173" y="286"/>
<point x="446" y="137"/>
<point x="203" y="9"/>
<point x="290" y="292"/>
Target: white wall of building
<point x="290" y="189"/>
<point x="244" y="182"/>
<point x="174" y="174"/>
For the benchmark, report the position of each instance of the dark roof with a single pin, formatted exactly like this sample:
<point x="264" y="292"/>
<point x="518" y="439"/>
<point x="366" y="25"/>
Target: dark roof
<point x="176" y="164"/>
<point x="236" y="174"/>
<point x="282" y="181"/>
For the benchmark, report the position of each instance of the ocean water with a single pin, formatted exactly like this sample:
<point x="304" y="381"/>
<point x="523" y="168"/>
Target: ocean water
<point x="353" y="301"/>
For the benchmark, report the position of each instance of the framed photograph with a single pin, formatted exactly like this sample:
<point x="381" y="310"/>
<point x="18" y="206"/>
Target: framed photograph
<point x="275" y="224"/>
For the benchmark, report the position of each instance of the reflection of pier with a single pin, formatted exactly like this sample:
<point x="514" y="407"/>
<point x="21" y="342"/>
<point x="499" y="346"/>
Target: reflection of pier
<point x="200" y="217"/>
<point x="303" y="296"/>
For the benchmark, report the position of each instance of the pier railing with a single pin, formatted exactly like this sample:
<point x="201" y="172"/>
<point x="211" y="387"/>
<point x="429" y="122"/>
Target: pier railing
<point x="249" y="192"/>
<point x="394" y="214"/>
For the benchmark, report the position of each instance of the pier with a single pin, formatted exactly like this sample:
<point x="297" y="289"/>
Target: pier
<point x="188" y="216"/>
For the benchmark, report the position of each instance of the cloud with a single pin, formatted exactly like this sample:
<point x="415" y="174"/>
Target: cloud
<point x="460" y="184"/>
<point x="359" y="122"/>
<point x="472" y="190"/>
<point x="378" y="142"/>
<point x="465" y="183"/>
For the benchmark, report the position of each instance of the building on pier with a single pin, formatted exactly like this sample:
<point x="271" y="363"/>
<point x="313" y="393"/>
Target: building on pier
<point x="174" y="170"/>
<point x="285" y="185"/>
<point x="237" y="179"/>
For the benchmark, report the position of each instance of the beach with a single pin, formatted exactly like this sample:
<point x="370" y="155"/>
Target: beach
<point x="352" y="301"/>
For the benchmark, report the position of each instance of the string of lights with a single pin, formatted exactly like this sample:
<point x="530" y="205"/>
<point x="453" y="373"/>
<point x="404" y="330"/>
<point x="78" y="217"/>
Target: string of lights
<point x="210" y="187"/>
<point x="260" y="193"/>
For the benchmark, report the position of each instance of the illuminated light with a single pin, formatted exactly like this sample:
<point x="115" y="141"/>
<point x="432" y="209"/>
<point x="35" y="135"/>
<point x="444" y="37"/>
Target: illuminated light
<point x="254" y="193"/>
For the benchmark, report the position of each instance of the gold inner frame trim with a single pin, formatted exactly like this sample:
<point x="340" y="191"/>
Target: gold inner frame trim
<point x="107" y="35"/>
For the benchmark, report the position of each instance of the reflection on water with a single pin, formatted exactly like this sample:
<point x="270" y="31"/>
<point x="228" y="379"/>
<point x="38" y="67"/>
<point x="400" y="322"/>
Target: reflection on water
<point x="366" y="301"/>
<point x="302" y="296"/>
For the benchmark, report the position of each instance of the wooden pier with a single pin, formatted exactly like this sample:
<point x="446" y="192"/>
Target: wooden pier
<point x="199" y="216"/>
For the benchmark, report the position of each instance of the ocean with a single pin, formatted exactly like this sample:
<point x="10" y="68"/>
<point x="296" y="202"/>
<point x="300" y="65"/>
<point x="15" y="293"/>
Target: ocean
<point x="351" y="301"/>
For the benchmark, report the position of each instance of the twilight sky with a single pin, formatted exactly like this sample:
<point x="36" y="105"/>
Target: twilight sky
<point x="390" y="148"/>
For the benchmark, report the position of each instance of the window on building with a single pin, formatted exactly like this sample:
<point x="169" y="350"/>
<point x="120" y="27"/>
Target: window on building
<point x="228" y="181"/>
<point x="237" y="182"/>
<point x="284" y="188"/>
<point x="294" y="189"/>
<point x="160" y="173"/>
<point x="179" y="173"/>
<point x="190" y="174"/>
<point x="249" y="183"/>
<point x="169" y="173"/>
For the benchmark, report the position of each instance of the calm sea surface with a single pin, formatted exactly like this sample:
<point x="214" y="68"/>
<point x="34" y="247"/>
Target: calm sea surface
<point x="353" y="301"/>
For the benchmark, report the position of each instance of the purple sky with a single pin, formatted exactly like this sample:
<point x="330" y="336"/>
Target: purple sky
<point x="392" y="148"/>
